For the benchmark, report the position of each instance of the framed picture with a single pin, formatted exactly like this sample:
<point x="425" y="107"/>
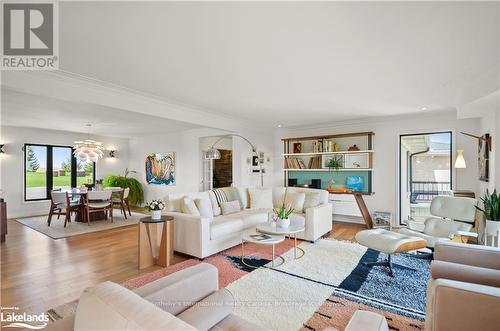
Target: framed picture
<point x="381" y="219"/>
<point x="483" y="158"/>
<point x="160" y="169"/>
<point x="297" y="148"/>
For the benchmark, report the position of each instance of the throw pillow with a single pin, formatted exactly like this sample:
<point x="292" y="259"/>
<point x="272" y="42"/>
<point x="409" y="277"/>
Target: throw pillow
<point x="294" y="200"/>
<point x="261" y="198"/>
<point x="188" y="207"/>
<point x="313" y="199"/>
<point x="230" y="207"/>
<point x="215" y="204"/>
<point x="204" y="207"/>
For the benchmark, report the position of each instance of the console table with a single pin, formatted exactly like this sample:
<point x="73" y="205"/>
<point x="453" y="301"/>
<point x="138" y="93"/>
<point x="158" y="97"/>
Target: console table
<point x="156" y="241"/>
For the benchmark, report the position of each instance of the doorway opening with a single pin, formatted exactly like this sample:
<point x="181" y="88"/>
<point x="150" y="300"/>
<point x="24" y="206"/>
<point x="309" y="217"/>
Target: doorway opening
<point x="425" y="162"/>
<point x="219" y="172"/>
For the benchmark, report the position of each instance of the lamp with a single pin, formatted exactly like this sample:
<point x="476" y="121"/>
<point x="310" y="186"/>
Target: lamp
<point x="460" y="161"/>
<point x="88" y="149"/>
<point x="213" y="153"/>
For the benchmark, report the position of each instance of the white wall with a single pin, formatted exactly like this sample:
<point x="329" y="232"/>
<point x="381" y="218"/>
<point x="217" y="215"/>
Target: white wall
<point x="386" y="164"/>
<point x="12" y="165"/>
<point x="188" y="147"/>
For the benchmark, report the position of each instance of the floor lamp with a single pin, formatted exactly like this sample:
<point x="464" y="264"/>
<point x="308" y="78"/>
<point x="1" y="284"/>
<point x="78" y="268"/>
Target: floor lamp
<point x="214" y="154"/>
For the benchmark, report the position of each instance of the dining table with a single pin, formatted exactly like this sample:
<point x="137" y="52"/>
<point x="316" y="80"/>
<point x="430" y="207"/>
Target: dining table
<point x="79" y="193"/>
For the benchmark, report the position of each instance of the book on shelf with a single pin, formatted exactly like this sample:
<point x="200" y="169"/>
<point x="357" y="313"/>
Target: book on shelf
<point x="294" y="163"/>
<point x="315" y="162"/>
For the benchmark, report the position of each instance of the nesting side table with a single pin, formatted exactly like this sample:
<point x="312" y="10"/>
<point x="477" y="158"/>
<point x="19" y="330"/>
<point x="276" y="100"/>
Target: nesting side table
<point x="156" y="241"/>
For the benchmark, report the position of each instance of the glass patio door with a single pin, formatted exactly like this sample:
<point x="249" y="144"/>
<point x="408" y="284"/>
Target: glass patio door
<point x="425" y="162"/>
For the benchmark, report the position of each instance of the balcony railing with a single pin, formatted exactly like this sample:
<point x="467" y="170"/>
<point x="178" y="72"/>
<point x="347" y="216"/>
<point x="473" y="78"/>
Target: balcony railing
<point x="425" y="191"/>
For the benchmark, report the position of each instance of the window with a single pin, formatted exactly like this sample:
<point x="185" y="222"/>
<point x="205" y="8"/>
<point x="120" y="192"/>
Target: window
<point x="48" y="167"/>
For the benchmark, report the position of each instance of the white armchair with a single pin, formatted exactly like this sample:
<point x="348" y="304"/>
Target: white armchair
<point x="453" y="218"/>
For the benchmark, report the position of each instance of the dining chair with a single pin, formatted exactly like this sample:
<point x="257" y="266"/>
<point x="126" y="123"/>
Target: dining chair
<point x="119" y="200"/>
<point x="98" y="201"/>
<point x="58" y="202"/>
<point x="126" y="193"/>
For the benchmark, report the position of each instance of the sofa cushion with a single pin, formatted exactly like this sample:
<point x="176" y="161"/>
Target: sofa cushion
<point x="215" y="205"/>
<point x="252" y="217"/>
<point x="244" y="196"/>
<point x="225" y="226"/>
<point x="230" y="207"/>
<point x="294" y="200"/>
<point x="173" y="201"/>
<point x="109" y="306"/>
<point x="204" y="207"/>
<point x="260" y="198"/>
<point x="313" y="199"/>
<point x="188" y="207"/>
<point x="298" y="218"/>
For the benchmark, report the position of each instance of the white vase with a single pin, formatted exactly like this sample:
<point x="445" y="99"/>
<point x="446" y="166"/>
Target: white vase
<point x="155" y="214"/>
<point x="283" y="223"/>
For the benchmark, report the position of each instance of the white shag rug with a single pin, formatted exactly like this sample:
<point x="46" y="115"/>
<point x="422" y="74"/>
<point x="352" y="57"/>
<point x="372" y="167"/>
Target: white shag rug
<point x="56" y="230"/>
<point x="277" y="300"/>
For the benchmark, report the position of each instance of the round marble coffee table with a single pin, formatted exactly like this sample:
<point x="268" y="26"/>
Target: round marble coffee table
<point x="290" y="231"/>
<point x="272" y="241"/>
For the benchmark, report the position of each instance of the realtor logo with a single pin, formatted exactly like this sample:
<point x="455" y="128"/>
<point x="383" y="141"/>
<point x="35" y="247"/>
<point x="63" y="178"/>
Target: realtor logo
<point x="29" y="36"/>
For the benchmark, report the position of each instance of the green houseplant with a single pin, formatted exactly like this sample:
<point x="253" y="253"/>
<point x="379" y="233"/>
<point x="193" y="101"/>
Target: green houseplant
<point x="282" y="213"/>
<point x="136" y="195"/>
<point x="335" y="163"/>
<point x="491" y="211"/>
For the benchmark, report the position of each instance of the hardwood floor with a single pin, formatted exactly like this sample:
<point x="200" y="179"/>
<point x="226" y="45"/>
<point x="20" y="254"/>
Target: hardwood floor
<point x="38" y="273"/>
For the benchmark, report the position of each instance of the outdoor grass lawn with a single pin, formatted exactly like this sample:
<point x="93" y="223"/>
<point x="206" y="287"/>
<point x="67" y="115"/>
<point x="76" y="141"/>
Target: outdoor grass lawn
<point x="38" y="179"/>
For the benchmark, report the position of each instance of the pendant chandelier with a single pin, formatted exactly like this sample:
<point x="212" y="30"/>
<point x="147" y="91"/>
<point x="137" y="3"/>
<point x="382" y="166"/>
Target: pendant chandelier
<point x="88" y="149"/>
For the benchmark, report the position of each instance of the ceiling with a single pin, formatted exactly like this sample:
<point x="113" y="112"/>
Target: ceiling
<point x="284" y="63"/>
<point x="26" y="110"/>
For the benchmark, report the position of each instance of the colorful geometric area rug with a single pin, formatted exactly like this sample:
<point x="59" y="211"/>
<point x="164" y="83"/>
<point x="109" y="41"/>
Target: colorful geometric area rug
<point x="322" y="289"/>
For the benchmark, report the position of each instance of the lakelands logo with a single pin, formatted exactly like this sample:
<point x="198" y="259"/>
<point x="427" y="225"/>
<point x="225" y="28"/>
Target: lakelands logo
<point x="30" y="38"/>
<point x="23" y="320"/>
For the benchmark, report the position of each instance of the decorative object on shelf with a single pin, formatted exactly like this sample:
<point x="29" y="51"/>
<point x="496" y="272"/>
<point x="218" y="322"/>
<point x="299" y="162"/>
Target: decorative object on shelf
<point x="213" y="153"/>
<point x="382" y="219"/>
<point x="155" y="207"/>
<point x="160" y="169"/>
<point x="316" y="183"/>
<point x="136" y="194"/>
<point x="282" y="213"/>
<point x="330" y="188"/>
<point x="297" y="147"/>
<point x="354" y="183"/>
<point x="292" y="181"/>
<point x="460" y="161"/>
<point x="353" y="148"/>
<point x="88" y="149"/>
<point x="491" y="211"/>
<point x="112" y="153"/>
<point x="335" y="163"/>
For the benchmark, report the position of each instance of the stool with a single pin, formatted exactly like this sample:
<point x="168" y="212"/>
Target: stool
<point x="388" y="242"/>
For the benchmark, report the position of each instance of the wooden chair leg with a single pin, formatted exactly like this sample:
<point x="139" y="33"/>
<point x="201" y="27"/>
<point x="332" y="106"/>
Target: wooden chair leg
<point x="111" y="213"/>
<point x="68" y="215"/>
<point x="51" y="212"/>
<point x="88" y="217"/>
<point x="123" y="209"/>
<point x="128" y="206"/>
<point x="59" y="213"/>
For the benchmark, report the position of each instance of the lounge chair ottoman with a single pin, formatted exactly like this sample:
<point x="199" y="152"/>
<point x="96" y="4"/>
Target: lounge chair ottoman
<point x="388" y="242"/>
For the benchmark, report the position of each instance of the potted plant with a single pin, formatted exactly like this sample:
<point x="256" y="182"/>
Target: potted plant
<point x="491" y="210"/>
<point x="155" y="207"/>
<point x="282" y="213"/>
<point x="335" y="163"/>
<point x="136" y="194"/>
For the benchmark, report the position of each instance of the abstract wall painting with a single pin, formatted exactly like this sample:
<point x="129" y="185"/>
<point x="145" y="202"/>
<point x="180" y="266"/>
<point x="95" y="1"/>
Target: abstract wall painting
<point x="160" y="169"/>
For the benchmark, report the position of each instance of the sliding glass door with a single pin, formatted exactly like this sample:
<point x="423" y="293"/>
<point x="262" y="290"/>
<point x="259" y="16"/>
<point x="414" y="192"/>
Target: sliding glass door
<point x="48" y="167"/>
<point x="425" y="161"/>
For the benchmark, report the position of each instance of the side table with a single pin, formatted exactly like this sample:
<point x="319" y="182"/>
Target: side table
<point x="156" y="241"/>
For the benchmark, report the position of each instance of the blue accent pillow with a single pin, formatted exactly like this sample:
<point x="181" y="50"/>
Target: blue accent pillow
<point x="354" y="183"/>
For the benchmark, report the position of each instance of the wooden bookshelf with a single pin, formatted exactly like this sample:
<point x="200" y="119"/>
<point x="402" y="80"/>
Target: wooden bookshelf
<point x="306" y="157"/>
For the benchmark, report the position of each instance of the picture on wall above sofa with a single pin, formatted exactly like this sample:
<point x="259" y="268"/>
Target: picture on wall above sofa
<point x="160" y="168"/>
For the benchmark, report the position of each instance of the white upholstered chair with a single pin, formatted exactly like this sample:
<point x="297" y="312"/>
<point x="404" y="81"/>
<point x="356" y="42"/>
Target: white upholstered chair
<point x="453" y="218"/>
<point x="98" y="201"/>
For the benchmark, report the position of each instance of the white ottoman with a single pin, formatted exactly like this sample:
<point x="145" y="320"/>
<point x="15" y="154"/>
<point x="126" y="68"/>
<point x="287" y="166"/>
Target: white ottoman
<point x="388" y="242"/>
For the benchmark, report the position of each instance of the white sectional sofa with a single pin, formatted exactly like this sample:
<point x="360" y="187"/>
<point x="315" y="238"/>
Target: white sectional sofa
<point x="200" y="236"/>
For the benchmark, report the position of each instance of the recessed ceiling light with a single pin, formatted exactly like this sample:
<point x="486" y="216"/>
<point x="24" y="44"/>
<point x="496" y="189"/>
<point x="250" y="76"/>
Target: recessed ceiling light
<point x="279" y="125"/>
<point x="424" y="108"/>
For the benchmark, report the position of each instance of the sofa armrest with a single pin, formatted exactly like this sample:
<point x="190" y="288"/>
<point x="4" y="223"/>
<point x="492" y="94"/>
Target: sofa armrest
<point x="465" y="273"/>
<point x="474" y="255"/>
<point x="209" y="311"/>
<point x="318" y="221"/>
<point x="456" y="305"/>
<point x="178" y="291"/>
<point x="190" y="233"/>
